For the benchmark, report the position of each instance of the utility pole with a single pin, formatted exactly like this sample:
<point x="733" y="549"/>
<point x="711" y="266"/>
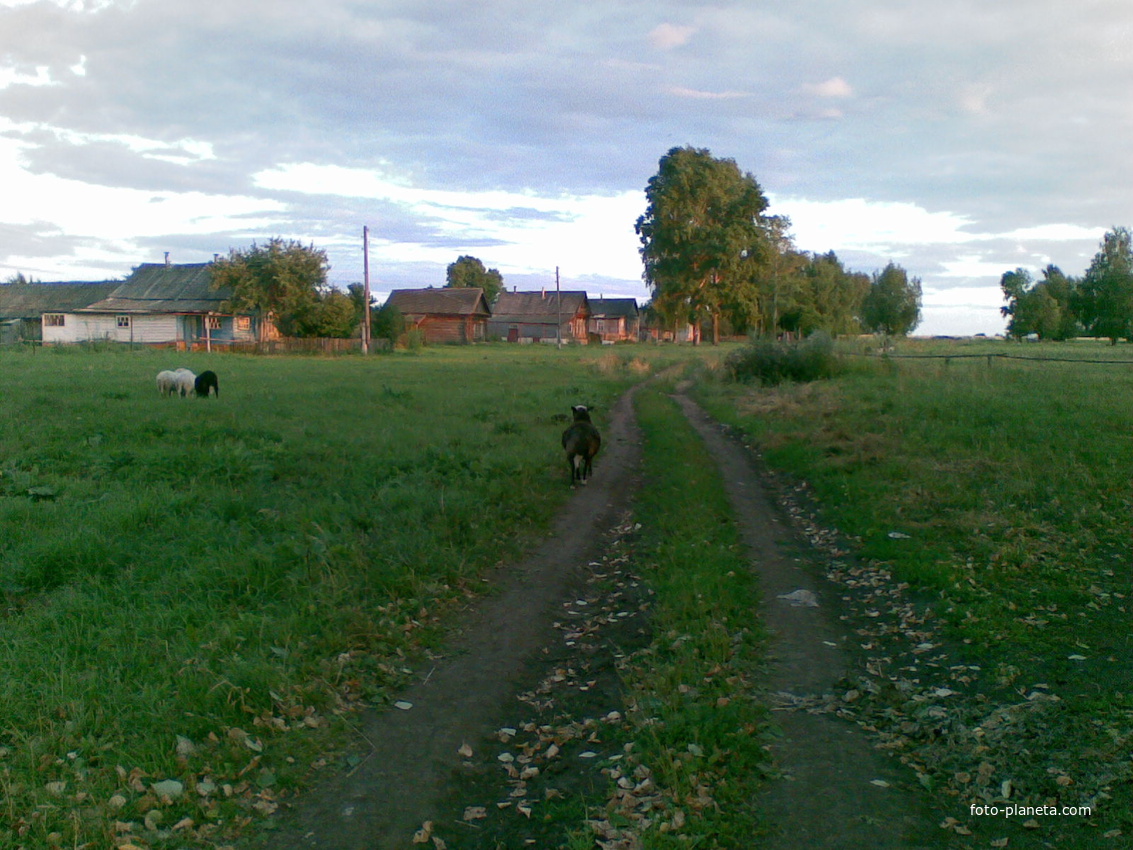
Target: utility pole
<point x="365" y="289"/>
<point x="559" y="300"/>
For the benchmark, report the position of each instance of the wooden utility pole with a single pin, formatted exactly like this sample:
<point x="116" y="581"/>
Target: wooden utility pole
<point x="365" y="289"/>
<point x="559" y="301"/>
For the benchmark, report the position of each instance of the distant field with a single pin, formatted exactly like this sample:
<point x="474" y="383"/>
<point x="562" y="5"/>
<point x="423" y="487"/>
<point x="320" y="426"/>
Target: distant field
<point x="1001" y="490"/>
<point x="184" y="581"/>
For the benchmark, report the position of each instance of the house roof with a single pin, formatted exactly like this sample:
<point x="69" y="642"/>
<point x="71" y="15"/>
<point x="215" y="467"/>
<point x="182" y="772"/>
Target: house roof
<point x="539" y="307"/>
<point x="31" y="300"/>
<point x="613" y="308"/>
<point x="458" y="301"/>
<point x="161" y="288"/>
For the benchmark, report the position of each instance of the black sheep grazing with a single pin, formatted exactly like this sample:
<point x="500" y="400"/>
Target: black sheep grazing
<point x="581" y="441"/>
<point x="206" y="381"/>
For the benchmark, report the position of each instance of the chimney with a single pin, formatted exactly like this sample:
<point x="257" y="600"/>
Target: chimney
<point x="167" y="263"/>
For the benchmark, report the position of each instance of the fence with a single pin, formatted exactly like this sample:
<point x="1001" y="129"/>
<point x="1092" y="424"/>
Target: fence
<point x="990" y="357"/>
<point x="295" y="345"/>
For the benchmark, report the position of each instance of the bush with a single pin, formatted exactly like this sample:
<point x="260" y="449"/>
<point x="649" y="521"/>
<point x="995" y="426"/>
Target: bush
<point x="773" y="363"/>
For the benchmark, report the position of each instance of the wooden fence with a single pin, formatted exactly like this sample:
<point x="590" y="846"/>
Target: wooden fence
<point x="295" y="345"/>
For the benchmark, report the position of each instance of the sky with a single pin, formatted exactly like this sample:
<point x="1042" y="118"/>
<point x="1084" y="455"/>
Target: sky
<point x="959" y="139"/>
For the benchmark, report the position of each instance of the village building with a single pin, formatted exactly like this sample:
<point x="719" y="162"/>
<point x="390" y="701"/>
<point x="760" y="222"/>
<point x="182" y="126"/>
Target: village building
<point x="23" y="305"/>
<point x="540" y="317"/>
<point x="158" y="304"/>
<point x="455" y="315"/>
<point x="615" y="319"/>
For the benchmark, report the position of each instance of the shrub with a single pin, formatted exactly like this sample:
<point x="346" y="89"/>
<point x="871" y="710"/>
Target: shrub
<point x="773" y="363"/>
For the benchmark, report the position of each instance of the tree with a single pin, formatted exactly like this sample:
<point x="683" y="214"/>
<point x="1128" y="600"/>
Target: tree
<point x="470" y="272"/>
<point x="281" y="280"/>
<point x="702" y="233"/>
<point x="1042" y="308"/>
<point x="388" y="324"/>
<point x="1105" y="295"/>
<point x="893" y="303"/>
<point x="19" y="279"/>
<point x="333" y="316"/>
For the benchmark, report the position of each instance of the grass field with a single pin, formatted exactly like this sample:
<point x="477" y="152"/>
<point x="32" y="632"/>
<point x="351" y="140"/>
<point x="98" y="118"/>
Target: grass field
<point x="197" y="593"/>
<point x="196" y="590"/>
<point x="1001" y="492"/>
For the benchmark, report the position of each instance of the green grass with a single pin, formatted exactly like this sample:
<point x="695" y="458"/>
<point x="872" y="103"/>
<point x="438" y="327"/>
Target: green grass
<point x="697" y="731"/>
<point x="205" y="590"/>
<point x="1001" y="491"/>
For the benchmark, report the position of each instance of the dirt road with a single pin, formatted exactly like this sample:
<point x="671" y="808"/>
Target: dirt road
<point x="836" y="790"/>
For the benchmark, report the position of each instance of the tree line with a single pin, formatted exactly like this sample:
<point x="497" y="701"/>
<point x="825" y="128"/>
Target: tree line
<point x="713" y="255"/>
<point x="1058" y="307"/>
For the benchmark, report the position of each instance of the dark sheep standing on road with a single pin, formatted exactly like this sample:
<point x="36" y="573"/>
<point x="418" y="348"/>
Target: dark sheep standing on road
<point x="581" y="442"/>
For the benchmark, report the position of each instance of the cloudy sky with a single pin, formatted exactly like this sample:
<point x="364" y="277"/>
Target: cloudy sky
<point x="959" y="139"/>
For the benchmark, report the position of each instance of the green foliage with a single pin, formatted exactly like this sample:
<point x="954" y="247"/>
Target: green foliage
<point x="772" y="363"/>
<point x="893" y="304"/>
<point x="470" y="272"/>
<point x="1045" y="308"/>
<point x="282" y="280"/>
<point x="388" y="323"/>
<point x="1105" y="296"/>
<point x="701" y="235"/>
<point x="181" y="567"/>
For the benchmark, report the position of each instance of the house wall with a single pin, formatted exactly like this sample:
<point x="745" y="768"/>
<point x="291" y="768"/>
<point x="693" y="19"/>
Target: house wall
<point x="89" y="327"/>
<point x="450" y="329"/>
<point x="144" y="329"/>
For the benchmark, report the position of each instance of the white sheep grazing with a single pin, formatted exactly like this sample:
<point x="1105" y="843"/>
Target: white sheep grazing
<point x="166" y="382"/>
<point x="186" y="382"/>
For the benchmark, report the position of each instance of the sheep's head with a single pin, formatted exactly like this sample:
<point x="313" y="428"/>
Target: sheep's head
<point x="581" y="413"/>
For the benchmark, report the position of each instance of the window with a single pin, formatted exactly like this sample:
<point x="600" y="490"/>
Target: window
<point x="123" y="321"/>
<point x="243" y="323"/>
<point x="53" y="320"/>
<point x="212" y="323"/>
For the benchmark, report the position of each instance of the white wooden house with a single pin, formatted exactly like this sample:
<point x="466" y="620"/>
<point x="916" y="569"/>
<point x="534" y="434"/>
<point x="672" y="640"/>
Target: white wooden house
<point x="158" y="304"/>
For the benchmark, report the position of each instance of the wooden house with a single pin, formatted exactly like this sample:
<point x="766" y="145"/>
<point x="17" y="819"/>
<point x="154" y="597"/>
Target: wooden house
<point x="23" y="305"/>
<point x="540" y="316"/>
<point x="615" y="319"/>
<point x="159" y="303"/>
<point x="456" y="315"/>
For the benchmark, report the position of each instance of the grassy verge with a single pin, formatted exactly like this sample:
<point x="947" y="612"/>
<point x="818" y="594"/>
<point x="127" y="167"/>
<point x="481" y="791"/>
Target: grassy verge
<point x="1000" y="492"/>
<point x="197" y="594"/>
<point x="697" y="754"/>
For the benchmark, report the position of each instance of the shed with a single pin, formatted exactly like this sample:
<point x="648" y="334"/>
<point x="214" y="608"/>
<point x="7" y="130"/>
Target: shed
<point x="457" y="314"/>
<point x="614" y="319"/>
<point x="23" y="305"/>
<point x="540" y="316"/>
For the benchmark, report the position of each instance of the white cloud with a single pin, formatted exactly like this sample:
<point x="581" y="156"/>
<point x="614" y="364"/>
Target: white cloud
<point x="670" y="36"/>
<point x="525" y="231"/>
<point x="696" y="94"/>
<point x="835" y="87"/>
<point x="859" y="224"/>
